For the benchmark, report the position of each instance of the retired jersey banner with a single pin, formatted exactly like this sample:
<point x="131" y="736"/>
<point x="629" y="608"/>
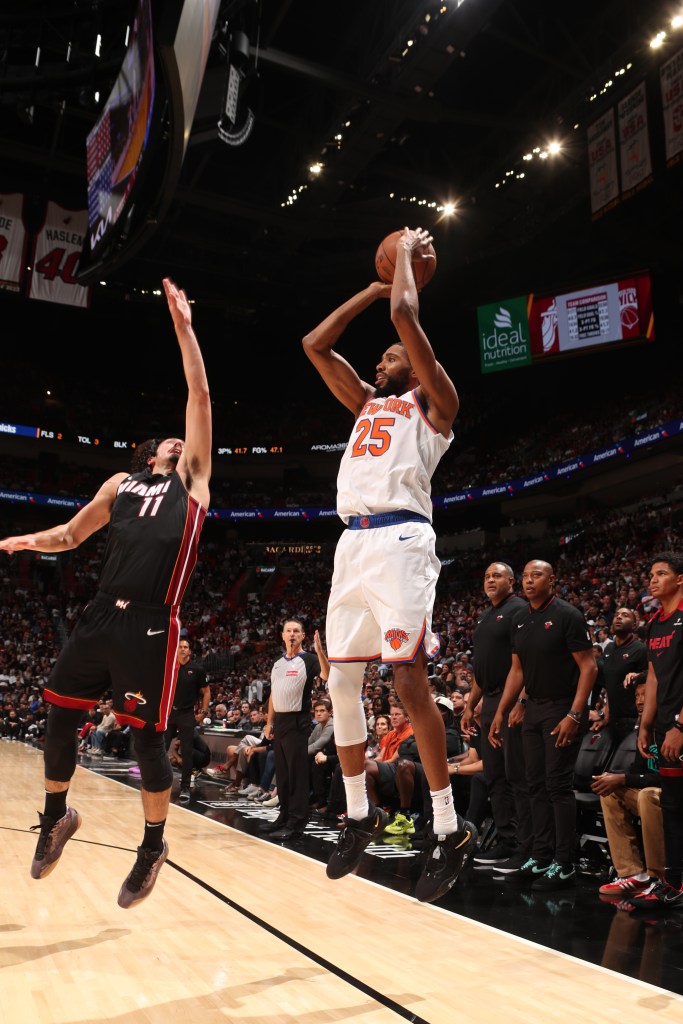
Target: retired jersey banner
<point x="671" y="78"/>
<point x="602" y="165"/>
<point x="13" y="241"/>
<point x="56" y="252"/>
<point x="634" y="142"/>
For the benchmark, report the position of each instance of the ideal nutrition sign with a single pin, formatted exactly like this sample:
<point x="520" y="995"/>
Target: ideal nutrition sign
<point x="504" y="339"/>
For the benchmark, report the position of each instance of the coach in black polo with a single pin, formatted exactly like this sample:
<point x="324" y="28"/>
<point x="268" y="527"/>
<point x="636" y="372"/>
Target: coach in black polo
<point x="504" y="770"/>
<point x="553" y="672"/>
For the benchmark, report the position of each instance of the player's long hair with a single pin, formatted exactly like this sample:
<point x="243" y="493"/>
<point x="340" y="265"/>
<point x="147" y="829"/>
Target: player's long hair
<point x="143" y="453"/>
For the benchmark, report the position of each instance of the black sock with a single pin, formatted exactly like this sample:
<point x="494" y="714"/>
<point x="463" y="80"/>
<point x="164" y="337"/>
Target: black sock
<point x="55" y="805"/>
<point x="154" y="834"/>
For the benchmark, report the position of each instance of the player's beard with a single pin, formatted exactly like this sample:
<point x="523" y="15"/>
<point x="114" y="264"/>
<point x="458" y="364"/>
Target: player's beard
<point x="395" y="385"/>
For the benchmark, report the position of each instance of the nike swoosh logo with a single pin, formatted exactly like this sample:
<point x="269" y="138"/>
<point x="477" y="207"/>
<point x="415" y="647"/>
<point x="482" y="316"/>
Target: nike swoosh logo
<point x="520" y="626"/>
<point x="409" y="537"/>
<point x="155" y="632"/>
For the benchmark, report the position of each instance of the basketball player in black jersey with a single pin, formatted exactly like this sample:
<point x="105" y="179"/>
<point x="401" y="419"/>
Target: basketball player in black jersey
<point x="126" y="639"/>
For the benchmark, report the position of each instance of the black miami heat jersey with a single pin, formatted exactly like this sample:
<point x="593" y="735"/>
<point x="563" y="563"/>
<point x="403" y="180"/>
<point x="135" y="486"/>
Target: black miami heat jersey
<point x="665" y="651"/>
<point x="152" y="541"/>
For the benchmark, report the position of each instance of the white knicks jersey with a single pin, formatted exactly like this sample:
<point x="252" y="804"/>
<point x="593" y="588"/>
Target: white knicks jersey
<point x="390" y="459"/>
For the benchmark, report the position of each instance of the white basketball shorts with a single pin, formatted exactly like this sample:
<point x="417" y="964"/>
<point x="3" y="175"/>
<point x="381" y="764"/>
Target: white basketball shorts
<point x="382" y="594"/>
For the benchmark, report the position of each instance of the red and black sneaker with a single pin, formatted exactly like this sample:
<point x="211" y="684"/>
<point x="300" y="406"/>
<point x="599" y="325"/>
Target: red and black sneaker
<point x="658" y="898"/>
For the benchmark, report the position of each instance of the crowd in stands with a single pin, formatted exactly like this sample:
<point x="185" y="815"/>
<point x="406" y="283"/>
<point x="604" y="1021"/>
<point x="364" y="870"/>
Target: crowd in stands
<point x="476" y="458"/>
<point x="236" y="633"/>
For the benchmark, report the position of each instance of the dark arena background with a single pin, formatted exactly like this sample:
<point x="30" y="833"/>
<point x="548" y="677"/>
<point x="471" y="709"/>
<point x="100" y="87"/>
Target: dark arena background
<point x="257" y="153"/>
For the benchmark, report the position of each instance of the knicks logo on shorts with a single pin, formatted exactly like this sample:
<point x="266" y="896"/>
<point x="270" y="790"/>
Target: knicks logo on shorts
<point x="132" y="701"/>
<point x="396" y="638"/>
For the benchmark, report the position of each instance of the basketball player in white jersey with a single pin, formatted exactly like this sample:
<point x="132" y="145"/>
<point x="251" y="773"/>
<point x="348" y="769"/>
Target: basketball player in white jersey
<point x="385" y="568"/>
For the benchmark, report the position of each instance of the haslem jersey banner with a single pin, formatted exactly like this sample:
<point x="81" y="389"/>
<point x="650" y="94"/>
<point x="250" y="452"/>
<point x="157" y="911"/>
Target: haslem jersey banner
<point x="13" y="241"/>
<point x="56" y="252"/>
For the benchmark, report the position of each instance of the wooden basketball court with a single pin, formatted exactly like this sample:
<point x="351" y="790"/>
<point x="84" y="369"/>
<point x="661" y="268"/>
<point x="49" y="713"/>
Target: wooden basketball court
<point x="240" y="930"/>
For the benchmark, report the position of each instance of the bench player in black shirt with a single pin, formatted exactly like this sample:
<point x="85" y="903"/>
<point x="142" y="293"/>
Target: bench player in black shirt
<point x="126" y="639"/>
<point x="623" y="656"/>
<point x="662" y="720"/>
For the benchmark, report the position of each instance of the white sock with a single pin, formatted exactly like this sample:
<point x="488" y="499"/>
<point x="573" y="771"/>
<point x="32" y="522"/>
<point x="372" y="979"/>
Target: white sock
<point x="642" y="876"/>
<point x="357" y="803"/>
<point x="445" y="818"/>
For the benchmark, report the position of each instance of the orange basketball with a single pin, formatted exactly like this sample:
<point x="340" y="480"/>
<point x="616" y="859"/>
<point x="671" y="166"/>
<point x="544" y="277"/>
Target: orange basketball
<point x="385" y="262"/>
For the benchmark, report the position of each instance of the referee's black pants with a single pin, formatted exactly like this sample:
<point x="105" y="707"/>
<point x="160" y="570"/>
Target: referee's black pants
<point x="291" y="730"/>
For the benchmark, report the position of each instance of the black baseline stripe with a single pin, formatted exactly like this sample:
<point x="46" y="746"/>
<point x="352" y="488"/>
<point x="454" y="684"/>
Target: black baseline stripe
<point x="379" y="997"/>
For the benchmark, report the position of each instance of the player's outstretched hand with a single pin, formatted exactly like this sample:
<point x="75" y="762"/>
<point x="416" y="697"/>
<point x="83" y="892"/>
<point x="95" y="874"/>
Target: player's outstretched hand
<point x="178" y="305"/>
<point x="24" y="542"/>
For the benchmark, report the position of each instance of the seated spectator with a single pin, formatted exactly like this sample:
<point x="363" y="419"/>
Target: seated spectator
<point x="321" y="741"/>
<point x="381" y="727"/>
<point x="380" y="706"/>
<point x="219" y="715"/>
<point x="626" y="797"/>
<point x="266" y="793"/>
<point x="245" y="720"/>
<point x="93" y="718"/>
<point x="251" y="767"/>
<point x="238" y="757"/>
<point x="410" y="780"/>
<point x="380" y="772"/>
<point x="103" y="729"/>
<point x="12" y="726"/>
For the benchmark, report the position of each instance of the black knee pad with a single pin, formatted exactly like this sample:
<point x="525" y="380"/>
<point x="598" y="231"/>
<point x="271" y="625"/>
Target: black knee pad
<point x="156" y="773"/>
<point x="61" y="742"/>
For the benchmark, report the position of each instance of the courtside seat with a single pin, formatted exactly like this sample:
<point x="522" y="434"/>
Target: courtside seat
<point x="595" y="752"/>
<point x="624" y="754"/>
